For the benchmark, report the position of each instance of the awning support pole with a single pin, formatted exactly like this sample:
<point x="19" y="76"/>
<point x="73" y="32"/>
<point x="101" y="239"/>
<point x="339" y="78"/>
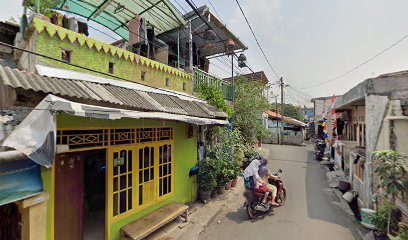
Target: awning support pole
<point x="178" y="49"/>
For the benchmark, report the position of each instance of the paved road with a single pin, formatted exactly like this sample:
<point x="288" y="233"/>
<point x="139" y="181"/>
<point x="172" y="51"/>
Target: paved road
<point x="311" y="211"/>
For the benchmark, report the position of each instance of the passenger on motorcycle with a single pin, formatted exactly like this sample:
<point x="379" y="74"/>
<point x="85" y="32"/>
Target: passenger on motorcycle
<point x="254" y="181"/>
<point x="265" y="174"/>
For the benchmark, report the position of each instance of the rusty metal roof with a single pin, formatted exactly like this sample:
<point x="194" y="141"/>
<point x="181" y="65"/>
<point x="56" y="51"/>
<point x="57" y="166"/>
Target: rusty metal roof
<point x="106" y="93"/>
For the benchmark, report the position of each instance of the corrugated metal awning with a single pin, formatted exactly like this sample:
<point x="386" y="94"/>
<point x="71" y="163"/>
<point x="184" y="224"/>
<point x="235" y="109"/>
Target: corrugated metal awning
<point x="109" y="94"/>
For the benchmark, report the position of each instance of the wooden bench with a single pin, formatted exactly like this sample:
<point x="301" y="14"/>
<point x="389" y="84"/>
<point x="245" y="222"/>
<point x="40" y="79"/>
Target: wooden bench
<point x="148" y="224"/>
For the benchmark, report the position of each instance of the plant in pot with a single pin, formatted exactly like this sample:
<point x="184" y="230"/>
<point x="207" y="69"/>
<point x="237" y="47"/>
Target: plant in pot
<point x="236" y="172"/>
<point x="46" y="7"/>
<point x="230" y="173"/>
<point x="206" y="179"/>
<point x="385" y="218"/>
<point x="392" y="172"/>
<point x="221" y="175"/>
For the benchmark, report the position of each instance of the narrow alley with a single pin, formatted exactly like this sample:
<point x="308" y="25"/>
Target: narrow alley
<point x="312" y="211"/>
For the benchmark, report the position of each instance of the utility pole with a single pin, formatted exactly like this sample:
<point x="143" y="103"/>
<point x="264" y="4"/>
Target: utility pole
<point x="276" y="104"/>
<point x="282" y="110"/>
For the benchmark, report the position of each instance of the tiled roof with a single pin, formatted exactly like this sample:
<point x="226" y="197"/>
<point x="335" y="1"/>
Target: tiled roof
<point x="108" y="94"/>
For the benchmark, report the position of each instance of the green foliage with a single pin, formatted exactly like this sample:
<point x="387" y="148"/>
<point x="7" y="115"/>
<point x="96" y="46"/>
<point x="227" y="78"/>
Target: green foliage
<point x="206" y="175"/>
<point x="46" y="6"/>
<point x="380" y="218"/>
<point x="403" y="232"/>
<point x="289" y="111"/>
<point x="214" y="96"/>
<point x="392" y="172"/>
<point x="249" y="106"/>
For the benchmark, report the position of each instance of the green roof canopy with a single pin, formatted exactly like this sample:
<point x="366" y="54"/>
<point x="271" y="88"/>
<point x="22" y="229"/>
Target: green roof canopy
<point x="115" y="14"/>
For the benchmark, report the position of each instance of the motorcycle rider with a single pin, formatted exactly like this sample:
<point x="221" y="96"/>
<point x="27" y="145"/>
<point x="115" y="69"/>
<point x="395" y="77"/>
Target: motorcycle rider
<point x="254" y="181"/>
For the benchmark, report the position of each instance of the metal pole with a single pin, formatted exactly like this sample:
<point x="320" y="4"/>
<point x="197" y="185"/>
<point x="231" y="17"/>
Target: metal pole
<point x="190" y="46"/>
<point x="276" y="104"/>
<point x="178" y="49"/>
<point x="38" y="6"/>
<point x="282" y="109"/>
<point x="233" y="80"/>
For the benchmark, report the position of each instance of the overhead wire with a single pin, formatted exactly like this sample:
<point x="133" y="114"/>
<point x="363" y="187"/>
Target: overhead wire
<point x="194" y="7"/>
<point x="216" y="12"/>
<point x="142" y="37"/>
<point x="359" y="65"/>
<point x="78" y="66"/>
<point x="256" y="39"/>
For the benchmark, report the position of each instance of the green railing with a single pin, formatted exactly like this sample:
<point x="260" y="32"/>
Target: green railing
<point x="201" y="77"/>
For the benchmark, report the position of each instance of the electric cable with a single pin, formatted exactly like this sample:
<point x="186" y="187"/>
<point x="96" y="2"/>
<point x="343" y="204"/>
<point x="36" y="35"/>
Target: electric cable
<point x="170" y="52"/>
<point x="216" y="12"/>
<point x="361" y="64"/>
<point x="256" y="39"/>
<point x="84" y="68"/>
<point x="192" y="5"/>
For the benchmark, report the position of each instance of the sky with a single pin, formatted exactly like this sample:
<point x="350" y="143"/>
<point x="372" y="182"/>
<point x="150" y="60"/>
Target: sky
<point x="309" y="42"/>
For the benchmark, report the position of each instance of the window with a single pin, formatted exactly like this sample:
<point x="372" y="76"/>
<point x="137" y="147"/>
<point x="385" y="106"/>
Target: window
<point x="143" y="76"/>
<point x="146" y="175"/>
<point x="66" y="55"/>
<point x="122" y="181"/>
<point x="184" y="86"/>
<point x="165" y="170"/>
<point x="111" y="67"/>
<point x="167" y="82"/>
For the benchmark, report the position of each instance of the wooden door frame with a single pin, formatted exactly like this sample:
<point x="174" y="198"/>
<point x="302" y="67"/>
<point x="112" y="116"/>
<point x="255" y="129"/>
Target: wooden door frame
<point x="55" y="188"/>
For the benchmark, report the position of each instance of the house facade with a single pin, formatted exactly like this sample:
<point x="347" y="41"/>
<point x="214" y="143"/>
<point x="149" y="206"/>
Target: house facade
<point x="371" y="117"/>
<point x="109" y="135"/>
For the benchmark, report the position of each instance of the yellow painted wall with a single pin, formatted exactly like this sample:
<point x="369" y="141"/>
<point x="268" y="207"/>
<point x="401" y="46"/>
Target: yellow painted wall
<point x="185" y="158"/>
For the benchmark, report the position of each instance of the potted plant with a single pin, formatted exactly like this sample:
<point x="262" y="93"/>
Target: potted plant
<point x="236" y="172"/>
<point x="221" y="175"/>
<point x="392" y="172"/>
<point x="384" y="218"/>
<point x="206" y="180"/>
<point x="46" y="7"/>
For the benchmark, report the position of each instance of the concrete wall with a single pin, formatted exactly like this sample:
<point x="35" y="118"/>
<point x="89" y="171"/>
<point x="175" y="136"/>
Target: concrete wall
<point x="291" y="137"/>
<point x="375" y="111"/>
<point x="393" y="135"/>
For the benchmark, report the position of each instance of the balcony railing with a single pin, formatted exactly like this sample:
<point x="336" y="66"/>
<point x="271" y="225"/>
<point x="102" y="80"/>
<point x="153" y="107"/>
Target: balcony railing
<point x="201" y="77"/>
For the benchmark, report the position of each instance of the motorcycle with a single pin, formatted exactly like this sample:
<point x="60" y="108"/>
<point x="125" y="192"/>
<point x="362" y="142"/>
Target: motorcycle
<point x="320" y="147"/>
<point x="254" y="198"/>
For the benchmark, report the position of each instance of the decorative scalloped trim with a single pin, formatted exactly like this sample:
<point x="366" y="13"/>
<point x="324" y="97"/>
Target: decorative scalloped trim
<point x="62" y="33"/>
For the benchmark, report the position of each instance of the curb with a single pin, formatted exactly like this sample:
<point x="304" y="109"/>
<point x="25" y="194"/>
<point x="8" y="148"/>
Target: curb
<point x="353" y="225"/>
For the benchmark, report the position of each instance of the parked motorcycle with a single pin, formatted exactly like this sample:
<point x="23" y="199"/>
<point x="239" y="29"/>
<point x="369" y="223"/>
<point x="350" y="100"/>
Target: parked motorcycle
<point x="254" y="198"/>
<point x="320" y="147"/>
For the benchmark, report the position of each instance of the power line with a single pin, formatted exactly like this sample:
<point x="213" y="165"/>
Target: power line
<point x="78" y="66"/>
<point x="180" y="6"/>
<point x="194" y="7"/>
<point x="305" y="94"/>
<point x="360" y="65"/>
<point x="216" y="12"/>
<point x="256" y="39"/>
<point x="170" y="52"/>
<point x="155" y="44"/>
<point x="220" y="68"/>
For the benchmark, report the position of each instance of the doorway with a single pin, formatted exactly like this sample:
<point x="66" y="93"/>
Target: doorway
<point x="10" y="222"/>
<point x="80" y="195"/>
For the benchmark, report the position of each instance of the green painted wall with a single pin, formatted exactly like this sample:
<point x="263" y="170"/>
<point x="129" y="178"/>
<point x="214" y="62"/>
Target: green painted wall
<point x="99" y="60"/>
<point x="46" y="176"/>
<point x="185" y="158"/>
